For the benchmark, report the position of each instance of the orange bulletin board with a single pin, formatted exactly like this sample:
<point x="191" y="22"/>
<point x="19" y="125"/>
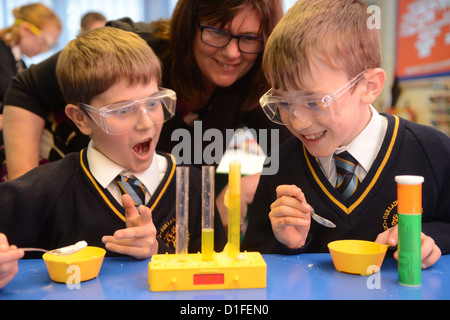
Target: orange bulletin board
<point x="423" y="38"/>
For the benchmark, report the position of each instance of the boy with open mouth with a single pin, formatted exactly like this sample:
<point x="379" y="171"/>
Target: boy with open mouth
<point x="109" y="78"/>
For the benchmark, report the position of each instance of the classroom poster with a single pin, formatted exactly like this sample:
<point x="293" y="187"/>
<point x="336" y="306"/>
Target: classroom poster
<point x="423" y="38"/>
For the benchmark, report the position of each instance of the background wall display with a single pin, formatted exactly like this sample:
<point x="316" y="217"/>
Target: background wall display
<point x="423" y="38"/>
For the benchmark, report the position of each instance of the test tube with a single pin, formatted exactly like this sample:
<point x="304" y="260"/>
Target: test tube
<point x="234" y="208"/>
<point x="182" y="210"/>
<point x="207" y="212"/>
<point x="409" y="208"/>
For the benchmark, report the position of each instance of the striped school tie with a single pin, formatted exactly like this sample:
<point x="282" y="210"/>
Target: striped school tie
<point x="133" y="187"/>
<point x="347" y="181"/>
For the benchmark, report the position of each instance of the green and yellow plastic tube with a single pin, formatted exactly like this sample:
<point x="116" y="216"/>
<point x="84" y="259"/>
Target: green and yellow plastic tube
<point x="409" y="196"/>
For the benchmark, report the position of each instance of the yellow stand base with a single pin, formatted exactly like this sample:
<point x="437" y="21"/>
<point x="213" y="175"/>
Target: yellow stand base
<point x="171" y="272"/>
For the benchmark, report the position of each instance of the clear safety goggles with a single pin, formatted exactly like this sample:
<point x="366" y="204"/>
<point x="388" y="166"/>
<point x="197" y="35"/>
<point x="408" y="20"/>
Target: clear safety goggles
<point x="282" y="110"/>
<point x="120" y="118"/>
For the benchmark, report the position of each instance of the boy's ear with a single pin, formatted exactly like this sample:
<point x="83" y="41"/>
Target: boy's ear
<point x="375" y="79"/>
<point x="80" y="118"/>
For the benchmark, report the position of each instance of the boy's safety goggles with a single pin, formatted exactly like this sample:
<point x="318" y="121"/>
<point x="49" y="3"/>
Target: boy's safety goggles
<point x="281" y="110"/>
<point x="120" y="118"/>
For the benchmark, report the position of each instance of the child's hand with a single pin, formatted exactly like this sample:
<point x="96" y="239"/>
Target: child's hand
<point x="430" y="251"/>
<point x="139" y="238"/>
<point x="290" y="216"/>
<point x="8" y="261"/>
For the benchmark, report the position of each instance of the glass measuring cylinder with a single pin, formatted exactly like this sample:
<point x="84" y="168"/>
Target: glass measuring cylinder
<point x="182" y="210"/>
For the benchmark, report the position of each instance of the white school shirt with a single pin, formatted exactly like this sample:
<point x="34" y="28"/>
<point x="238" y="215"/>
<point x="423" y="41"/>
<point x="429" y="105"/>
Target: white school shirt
<point x="105" y="172"/>
<point x="364" y="148"/>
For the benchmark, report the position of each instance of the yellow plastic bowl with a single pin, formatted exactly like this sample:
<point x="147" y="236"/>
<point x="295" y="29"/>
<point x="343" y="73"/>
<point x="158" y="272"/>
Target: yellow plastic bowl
<point x="357" y="256"/>
<point x="77" y="267"/>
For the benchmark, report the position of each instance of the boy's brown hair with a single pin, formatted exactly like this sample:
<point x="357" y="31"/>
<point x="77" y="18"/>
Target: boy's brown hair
<point x="89" y="19"/>
<point x="333" y="31"/>
<point x="98" y="59"/>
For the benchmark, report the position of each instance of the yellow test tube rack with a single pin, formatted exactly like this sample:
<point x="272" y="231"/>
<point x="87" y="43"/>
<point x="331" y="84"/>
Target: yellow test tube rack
<point x="230" y="269"/>
<point x="170" y="272"/>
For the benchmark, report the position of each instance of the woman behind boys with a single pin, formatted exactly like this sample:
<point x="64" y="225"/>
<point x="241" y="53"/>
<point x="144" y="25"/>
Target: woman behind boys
<point x="211" y="53"/>
<point x="217" y="81"/>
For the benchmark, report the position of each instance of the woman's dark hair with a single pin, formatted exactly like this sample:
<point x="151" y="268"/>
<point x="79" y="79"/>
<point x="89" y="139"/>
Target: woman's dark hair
<point x="185" y="76"/>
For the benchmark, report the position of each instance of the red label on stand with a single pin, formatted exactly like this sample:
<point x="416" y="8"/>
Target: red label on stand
<point x="200" y="279"/>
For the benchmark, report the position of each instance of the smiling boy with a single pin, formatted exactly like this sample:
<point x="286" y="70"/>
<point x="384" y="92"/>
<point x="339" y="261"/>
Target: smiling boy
<point x="109" y="78"/>
<point x="324" y="67"/>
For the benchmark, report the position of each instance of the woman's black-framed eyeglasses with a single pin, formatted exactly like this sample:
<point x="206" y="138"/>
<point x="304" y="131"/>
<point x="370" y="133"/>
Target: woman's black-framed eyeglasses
<point x="219" y="38"/>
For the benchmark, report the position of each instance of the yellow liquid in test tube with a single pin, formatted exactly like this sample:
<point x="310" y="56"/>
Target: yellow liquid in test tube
<point x="208" y="173"/>
<point x="234" y="208"/>
<point x="207" y="244"/>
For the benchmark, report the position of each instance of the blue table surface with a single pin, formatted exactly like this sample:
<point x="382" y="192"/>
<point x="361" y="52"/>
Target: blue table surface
<point x="306" y="276"/>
